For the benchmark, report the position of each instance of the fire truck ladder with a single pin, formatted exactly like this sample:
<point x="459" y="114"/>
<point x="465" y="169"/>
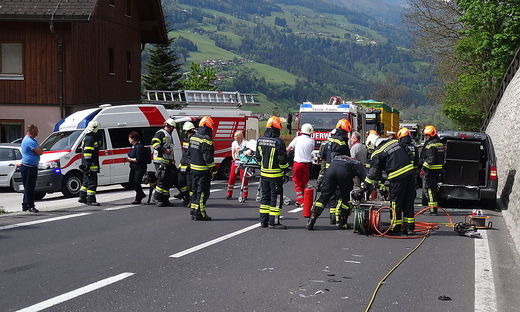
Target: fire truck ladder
<point x="201" y="98"/>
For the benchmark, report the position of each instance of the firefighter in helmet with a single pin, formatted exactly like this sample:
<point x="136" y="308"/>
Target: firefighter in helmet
<point x="272" y="157"/>
<point x="164" y="162"/>
<point x="202" y="167"/>
<point x="432" y="158"/>
<point x="392" y="158"/>
<point x="405" y="140"/>
<point x="91" y="144"/>
<point x="184" y="168"/>
<point x="340" y="175"/>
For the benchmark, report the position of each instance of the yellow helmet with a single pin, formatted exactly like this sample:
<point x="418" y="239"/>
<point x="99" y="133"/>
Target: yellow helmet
<point x="274" y="122"/>
<point x="430" y="130"/>
<point x="403" y="132"/>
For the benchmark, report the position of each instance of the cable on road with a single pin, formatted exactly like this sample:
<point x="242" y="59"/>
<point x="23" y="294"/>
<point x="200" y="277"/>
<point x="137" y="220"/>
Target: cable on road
<point x="382" y="281"/>
<point x="422" y="229"/>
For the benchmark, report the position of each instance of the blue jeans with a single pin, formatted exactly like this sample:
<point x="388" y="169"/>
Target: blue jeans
<point x="29" y="175"/>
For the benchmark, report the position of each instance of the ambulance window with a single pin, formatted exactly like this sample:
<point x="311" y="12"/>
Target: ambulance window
<point x="119" y="136"/>
<point x="61" y="140"/>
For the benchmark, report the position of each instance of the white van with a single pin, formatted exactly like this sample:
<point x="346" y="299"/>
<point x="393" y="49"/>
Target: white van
<point x="59" y="164"/>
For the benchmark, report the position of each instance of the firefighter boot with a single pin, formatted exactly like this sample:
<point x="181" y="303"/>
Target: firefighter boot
<point x="311" y="222"/>
<point x="274" y="223"/>
<point x="408" y="228"/>
<point x="186" y="201"/>
<point x="166" y="200"/>
<point x="342" y="224"/>
<point x="432" y="211"/>
<point x="157" y="197"/>
<point x="201" y="215"/>
<point x="396" y="230"/>
<point x="332" y="218"/>
<point x="91" y="200"/>
<point x="264" y="220"/>
<point x="82" y="197"/>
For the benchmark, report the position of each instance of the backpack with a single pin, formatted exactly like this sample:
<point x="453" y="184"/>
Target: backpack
<point x="148" y="155"/>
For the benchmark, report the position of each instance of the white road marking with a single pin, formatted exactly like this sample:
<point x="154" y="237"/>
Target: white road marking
<point x="120" y="207"/>
<point x="13" y="226"/>
<point x="295" y="210"/>
<point x="214" y="241"/>
<point x="75" y="293"/>
<point x="485" y="296"/>
<point x="211" y="191"/>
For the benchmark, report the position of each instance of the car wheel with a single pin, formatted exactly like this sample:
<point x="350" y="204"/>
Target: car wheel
<point x="39" y="195"/>
<point x="223" y="171"/>
<point x="490" y="204"/>
<point x="71" y="184"/>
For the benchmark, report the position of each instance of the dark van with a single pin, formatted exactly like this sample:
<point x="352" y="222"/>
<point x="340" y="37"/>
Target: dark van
<point x="470" y="168"/>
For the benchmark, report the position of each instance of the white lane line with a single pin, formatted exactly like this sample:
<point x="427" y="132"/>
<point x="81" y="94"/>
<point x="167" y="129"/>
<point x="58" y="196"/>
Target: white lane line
<point x="211" y="191"/>
<point x="485" y="296"/>
<point x="120" y="207"/>
<point x="214" y="241"/>
<point x="295" y="210"/>
<point x="75" y="293"/>
<point x="13" y="226"/>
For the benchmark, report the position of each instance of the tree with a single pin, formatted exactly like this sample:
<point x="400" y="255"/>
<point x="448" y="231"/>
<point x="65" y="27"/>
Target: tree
<point x="200" y="78"/>
<point x="163" y="69"/>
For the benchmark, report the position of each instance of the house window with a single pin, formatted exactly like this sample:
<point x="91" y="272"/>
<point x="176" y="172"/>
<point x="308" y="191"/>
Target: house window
<point x="11" y="61"/>
<point x="128" y="8"/>
<point x="111" y="70"/>
<point x="10" y="130"/>
<point x="112" y="2"/>
<point x="128" y="66"/>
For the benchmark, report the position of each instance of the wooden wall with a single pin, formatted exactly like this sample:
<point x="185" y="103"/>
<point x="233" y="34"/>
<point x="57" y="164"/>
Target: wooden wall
<point x="86" y="64"/>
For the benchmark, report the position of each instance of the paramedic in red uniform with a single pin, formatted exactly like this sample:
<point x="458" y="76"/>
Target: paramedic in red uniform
<point x="303" y="145"/>
<point x="238" y="144"/>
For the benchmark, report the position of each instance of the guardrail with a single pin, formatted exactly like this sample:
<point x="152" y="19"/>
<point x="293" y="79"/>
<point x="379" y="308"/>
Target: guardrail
<point x="508" y="76"/>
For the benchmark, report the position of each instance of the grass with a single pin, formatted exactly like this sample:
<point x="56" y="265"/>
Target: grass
<point x="206" y="47"/>
<point x="272" y="74"/>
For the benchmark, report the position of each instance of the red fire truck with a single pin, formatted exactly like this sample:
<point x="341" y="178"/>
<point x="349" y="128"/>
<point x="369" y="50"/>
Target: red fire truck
<point x="224" y="107"/>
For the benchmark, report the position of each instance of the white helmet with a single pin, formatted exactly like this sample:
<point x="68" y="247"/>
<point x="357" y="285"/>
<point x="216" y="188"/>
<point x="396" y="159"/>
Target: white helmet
<point x="188" y="125"/>
<point x="169" y="122"/>
<point x="93" y="126"/>
<point x="307" y="128"/>
<point x="371" y="141"/>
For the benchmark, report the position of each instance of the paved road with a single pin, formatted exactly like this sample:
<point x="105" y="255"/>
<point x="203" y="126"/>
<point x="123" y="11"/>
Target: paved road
<point x="119" y="257"/>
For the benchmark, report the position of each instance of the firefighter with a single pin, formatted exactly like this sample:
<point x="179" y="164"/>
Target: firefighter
<point x="164" y="162"/>
<point x="303" y="145"/>
<point x="90" y="164"/>
<point x="184" y="166"/>
<point x="392" y="158"/>
<point x="432" y="157"/>
<point x="339" y="140"/>
<point x="272" y="157"/>
<point x="405" y="140"/>
<point x="340" y="175"/>
<point x="202" y="166"/>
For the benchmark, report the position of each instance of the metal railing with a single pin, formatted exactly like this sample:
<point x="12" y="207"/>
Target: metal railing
<point x="508" y="76"/>
<point x="201" y="98"/>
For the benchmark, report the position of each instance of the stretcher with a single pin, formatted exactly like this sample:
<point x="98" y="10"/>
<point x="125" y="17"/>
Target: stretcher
<point x="250" y="166"/>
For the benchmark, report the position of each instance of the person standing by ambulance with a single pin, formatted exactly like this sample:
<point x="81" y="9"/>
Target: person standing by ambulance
<point x="202" y="165"/>
<point x="238" y="144"/>
<point x="164" y="162"/>
<point x="90" y="164"/>
<point x="303" y="145"/>
<point x="272" y="157"/>
<point x="31" y="152"/>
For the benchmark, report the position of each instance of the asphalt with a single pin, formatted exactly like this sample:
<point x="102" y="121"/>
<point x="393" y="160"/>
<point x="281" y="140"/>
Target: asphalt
<point x="258" y="270"/>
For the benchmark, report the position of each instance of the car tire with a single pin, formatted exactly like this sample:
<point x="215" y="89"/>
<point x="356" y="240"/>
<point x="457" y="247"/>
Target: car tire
<point x="39" y="195"/>
<point x="489" y="204"/>
<point x="223" y="170"/>
<point x="71" y="184"/>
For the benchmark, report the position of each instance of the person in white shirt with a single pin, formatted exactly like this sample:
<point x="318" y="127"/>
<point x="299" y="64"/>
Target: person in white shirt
<point x="303" y="145"/>
<point x="238" y="144"/>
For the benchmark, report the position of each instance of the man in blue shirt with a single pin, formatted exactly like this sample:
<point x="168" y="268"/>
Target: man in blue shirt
<point x="31" y="152"/>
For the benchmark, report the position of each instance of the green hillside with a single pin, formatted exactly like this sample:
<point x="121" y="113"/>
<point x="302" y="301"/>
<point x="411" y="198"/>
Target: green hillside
<point x="295" y="50"/>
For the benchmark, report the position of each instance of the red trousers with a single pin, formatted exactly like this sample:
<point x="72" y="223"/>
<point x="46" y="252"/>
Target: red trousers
<point x="301" y="173"/>
<point x="232" y="179"/>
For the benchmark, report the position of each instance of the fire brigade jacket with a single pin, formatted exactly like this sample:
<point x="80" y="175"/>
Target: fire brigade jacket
<point x="354" y="168"/>
<point x="338" y="144"/>
<point x="407" y="143"/>
<point x="271" y="154"/>
<point x="324" y="153"/>
<point x="185" y="159"/>
<point x="389" y="156"/>
<point x="201" y="150"/>
<point x="161" y="141"/>
<point x="432" y="155"/>
<point x="90" y="146"/>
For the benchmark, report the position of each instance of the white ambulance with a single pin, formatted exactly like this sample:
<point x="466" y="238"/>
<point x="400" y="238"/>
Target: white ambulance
<point x="59" y="164"/>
